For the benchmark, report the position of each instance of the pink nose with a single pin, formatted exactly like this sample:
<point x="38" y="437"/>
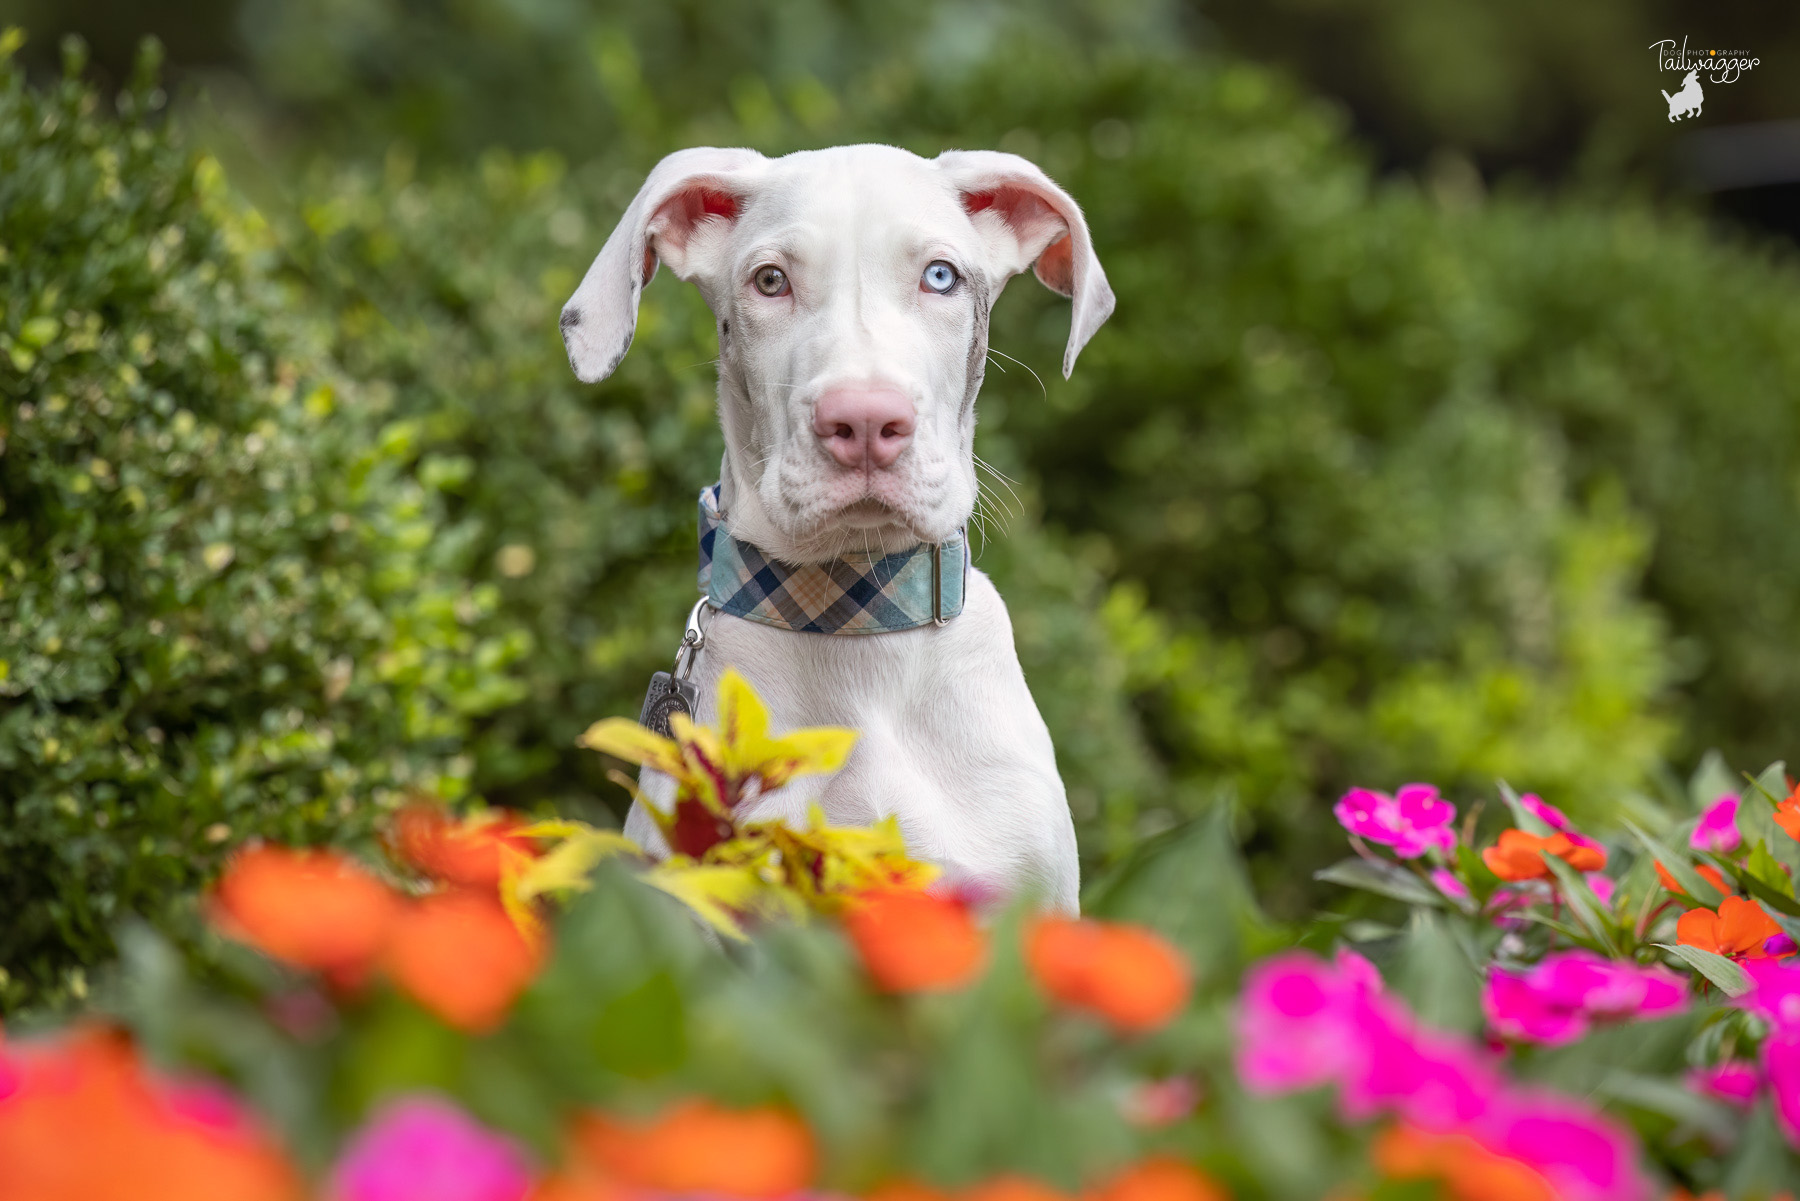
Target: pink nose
<point x="864" y="427"/>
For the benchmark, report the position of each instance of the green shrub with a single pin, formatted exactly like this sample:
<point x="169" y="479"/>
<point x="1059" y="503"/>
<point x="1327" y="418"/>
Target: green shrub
<point x="232" y="601"/>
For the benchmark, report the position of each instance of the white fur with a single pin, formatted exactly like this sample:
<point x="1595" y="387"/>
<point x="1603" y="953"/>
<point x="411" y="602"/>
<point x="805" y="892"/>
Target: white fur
<point x="951" y="742"/>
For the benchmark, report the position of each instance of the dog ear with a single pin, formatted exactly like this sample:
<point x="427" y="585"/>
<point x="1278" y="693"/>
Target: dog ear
<point x="1028" y="221"/>
<point x="690" y="196"/>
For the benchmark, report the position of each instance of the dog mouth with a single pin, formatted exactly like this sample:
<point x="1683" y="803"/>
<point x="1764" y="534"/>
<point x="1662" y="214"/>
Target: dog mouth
<point x="868" y="513"/>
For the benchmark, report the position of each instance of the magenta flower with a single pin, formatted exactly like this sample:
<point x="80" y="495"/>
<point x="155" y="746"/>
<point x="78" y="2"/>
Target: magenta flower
<point x="1296" y="1022"/>
<point x="1774" y="993"/>
<point x="1412" y="821"/>
<point x="1447" y="883"/>
<point x="419" y="1148"/>
<point x="1305" y="1023"/>
<point x="1436" y="1082"/>
<point x="1544" y="811"/>
<point x="1584" y="1155"/>
<point x="1718" y="828"/>
<point x="1602" y="886"/>
<point x="1735" y="1083"/>
<point x="1558" y="1000"/>
<point x="1781" y="1066"/>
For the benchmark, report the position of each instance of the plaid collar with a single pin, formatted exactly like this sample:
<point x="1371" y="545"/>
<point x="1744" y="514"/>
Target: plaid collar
<point x="858" y="593"/>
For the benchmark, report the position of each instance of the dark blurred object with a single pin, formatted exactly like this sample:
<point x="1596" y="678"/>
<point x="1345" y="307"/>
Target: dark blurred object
<point x="1751" y="172"/>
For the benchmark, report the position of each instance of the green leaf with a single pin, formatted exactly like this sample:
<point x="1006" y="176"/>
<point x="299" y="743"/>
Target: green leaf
<point x="1772" y="783"/>
<point x="1677" y="865"/>
<point x="1589" y="913"/>
<point x="1523" y="818"/>
<point x="642" y="1032"/>
<point x="1673" y="1100"/>
<point x="1378" y="876"/>
<point x="1434" y="971"/>
<point x="1765" y="867"/>
<point x="1728" y="976"/>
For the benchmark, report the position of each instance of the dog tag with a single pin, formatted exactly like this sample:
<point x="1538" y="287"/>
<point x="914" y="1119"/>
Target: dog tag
<point x="667" y="696"/>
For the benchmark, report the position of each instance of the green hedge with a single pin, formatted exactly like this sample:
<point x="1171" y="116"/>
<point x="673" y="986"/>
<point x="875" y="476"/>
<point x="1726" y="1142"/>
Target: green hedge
<point x="232" y="599"/>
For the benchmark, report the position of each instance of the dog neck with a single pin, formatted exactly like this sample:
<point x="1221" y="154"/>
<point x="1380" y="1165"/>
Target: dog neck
<point x="861" y="592"/>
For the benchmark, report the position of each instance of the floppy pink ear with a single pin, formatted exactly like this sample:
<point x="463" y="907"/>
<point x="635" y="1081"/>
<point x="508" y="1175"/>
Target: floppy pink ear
<point x="1027" y="221"/>
<point x="689" y="196"/>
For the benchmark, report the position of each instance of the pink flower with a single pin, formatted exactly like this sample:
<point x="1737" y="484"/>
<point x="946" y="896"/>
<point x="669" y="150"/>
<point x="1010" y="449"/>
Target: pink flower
<point x="1557" y="1000"/>
<point x="419" y="1148"/>
<point x="1544" y="811"/>
<point x="1781" y="1065"/>
<point x="1718" y="828"/>
<point x="1449" y="885"/>
<point x="1413" y="821"/>
<point x="1735" y="1083"/>
<point x="1602" y="886"/>
<point x="1774" y="993"/>
<point x="1154" y="1104"/>
<point x="1584" y="1156"/>
<point x="1297" y="1021"/>
<point x="1436" y="1082"/>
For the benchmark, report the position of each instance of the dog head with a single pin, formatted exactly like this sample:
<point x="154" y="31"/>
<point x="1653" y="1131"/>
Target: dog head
<point x="851" y="288"/>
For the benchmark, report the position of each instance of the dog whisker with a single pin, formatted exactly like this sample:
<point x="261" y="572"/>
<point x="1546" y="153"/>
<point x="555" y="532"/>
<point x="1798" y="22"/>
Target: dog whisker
<point x="1027" y="366"/>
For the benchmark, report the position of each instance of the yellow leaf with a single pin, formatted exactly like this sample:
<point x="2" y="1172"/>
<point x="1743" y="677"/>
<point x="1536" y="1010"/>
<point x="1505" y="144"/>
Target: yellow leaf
<point x="718" y="894"/>
<point x="565" y="867"/>
<point x="627" y="740"/>
<point x="803" y="752"/>
<point x="743" y="723"/>
<point x="513" y="865"/>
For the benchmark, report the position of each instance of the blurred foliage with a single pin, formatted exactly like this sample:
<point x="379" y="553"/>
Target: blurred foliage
<point x="232" y="602"/>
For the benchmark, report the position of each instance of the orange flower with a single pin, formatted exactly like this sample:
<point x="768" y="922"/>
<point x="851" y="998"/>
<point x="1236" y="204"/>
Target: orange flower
<point x="1012" y="1187"/>
<point x="1159" y="1178"/>
<point x="1707" y="871"/>
<point x="86" y="1122"/>
<point x="914" y="941"/>
<point x="699" y="1147"/>
<point x="1787" y="814"/>
<point x="1520" y="855"/>
<point x="1126" y="974"/>
<point x="1469" y="1171"/>
<point x="1740" y="927"/>
<point x="313" y="909"/>
<point x="460" y="956"/>
<point x="467" y="852"/>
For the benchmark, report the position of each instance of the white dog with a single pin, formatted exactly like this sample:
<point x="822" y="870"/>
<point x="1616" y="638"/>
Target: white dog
<point x="852" y="288"/>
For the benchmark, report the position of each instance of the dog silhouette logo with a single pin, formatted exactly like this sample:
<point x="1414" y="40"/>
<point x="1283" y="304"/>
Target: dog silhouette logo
<point x="1687" y="101"/>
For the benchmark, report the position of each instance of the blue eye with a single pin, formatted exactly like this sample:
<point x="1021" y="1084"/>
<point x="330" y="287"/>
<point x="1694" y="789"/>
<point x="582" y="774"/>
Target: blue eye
<point x="939" y="277"/>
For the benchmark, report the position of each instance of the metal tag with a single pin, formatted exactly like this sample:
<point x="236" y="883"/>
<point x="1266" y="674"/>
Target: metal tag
<point x="667" y="695"/>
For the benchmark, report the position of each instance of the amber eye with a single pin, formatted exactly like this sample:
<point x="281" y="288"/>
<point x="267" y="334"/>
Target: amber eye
<point x="939" y="277"/>
<point x="770" y="280"/>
